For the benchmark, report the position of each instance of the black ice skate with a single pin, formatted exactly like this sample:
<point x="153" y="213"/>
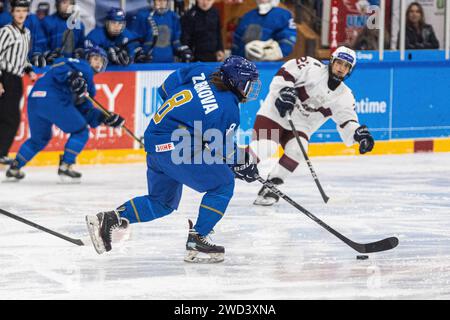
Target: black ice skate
<point x="198" y="246"/>
<point x="14" y="173"/>
<point x="100" y="229"/>
<point x="267" y="197"/>
<point x="66" y="173"/>
<point x="4" y="160"/>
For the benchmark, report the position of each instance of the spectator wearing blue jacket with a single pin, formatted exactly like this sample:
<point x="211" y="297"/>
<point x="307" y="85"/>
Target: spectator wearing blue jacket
<point x="267" y="33"/>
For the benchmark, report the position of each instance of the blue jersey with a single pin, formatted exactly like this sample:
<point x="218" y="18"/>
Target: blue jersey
<point x="59" y="35"/>
<point x="169" y="28"/>
<point x="190" y="97"/>
<point x="278" y="25"/>
<point x="55" y="85"/>
<point x="100" y="37"/>
<point x="38" y="39"/>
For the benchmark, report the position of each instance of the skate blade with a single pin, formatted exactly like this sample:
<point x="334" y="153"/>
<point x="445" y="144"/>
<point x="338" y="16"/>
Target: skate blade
<point x="93" y="229"/>
<point x="68" y="180"/>
<point x="11" y="180"/>
<point x="198" y="257"/>
<point x="260" y="201"/>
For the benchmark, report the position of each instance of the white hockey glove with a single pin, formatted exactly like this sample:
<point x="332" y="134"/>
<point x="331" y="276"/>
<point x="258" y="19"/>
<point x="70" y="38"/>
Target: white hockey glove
<point x="258" y="50"/>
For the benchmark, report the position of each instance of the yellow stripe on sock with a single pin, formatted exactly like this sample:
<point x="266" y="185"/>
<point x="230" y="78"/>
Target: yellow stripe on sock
<point x="212" y="209"/>
<point x="71" y="151"/>
<point x="21" y="157"/>
<point x="135" y="211"/>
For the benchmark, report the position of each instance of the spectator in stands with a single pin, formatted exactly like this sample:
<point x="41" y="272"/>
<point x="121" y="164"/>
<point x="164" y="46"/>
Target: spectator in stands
<point x="38" y="39"/>
<point x="267" y="33"/>
<point x="367" y="39"/>
<point x="168" y="44"/>
<point x="419" y="35"/>
<point x="65" y="37"/>
<point x="201" y="31"/>
<point x="120" y="43"/>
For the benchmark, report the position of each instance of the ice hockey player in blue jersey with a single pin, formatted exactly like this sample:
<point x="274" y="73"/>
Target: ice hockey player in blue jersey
<point x="198" y="100"/>
<point x="65" y="35"/>
<point x="119" y="42"/>
<point x="168" y="45"/>
<point x="59" y="98"/>
<point x="38" y="40"/>
<point x="267" y="33"/>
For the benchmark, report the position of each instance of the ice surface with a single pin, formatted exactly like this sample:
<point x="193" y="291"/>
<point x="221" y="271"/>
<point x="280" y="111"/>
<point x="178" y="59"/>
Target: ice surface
<point x="271" y="253"/>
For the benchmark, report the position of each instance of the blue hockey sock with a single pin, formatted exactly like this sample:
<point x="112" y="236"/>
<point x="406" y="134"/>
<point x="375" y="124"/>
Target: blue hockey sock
<point x="143" y="209"/>
<point x="75" y="145"/>
<point x="28" y="150"/>
<point x="212" y="208"/>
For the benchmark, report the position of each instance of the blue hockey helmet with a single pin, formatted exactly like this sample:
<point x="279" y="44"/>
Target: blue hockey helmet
<point x="241" y="77"/>
<point x="115" y="15"/>
<point x="95" y="50"/>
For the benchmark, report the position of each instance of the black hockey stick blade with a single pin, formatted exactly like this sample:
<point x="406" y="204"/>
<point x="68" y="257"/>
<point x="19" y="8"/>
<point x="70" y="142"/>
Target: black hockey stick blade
<point x="382" y="245"/>
<point x="78" y="242"/>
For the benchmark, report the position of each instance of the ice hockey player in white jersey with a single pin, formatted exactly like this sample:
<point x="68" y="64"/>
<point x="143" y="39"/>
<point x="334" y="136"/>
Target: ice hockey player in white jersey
<point x="312" y="93"/>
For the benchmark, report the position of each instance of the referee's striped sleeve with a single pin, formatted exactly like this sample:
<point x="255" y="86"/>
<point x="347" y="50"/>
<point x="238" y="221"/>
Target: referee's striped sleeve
<point x="4" y="42"/>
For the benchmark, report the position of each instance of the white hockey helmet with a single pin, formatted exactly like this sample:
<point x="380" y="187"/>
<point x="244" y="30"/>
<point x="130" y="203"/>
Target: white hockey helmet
<point x="264" y="6"/>
<point x="345" y="54"/>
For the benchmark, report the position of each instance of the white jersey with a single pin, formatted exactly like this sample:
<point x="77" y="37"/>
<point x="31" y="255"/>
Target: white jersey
<point x="317" y="103"/>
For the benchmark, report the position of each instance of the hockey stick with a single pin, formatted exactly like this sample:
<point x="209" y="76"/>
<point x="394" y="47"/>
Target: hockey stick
<point x="308" y="162"/>
<point x="155" y="30"/>
<point x="78" y="242"/>
<point x="377" y="246"/>
<point x="107" y="113"/>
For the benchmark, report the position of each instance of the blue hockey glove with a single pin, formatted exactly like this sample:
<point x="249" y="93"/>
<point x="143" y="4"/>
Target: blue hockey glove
<point x="77" y="84"/>
<point x="247" y="170"/>
<point x="114" y="120"/>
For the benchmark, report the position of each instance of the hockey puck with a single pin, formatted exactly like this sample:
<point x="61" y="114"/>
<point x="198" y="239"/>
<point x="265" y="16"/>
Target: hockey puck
<point x="363" y="257"/>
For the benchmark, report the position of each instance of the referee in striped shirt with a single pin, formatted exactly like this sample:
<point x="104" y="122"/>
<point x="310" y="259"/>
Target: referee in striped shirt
<point x="14" y="47"/>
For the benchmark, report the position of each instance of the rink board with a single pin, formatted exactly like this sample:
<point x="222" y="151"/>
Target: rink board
<point x="403" y="103"/>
